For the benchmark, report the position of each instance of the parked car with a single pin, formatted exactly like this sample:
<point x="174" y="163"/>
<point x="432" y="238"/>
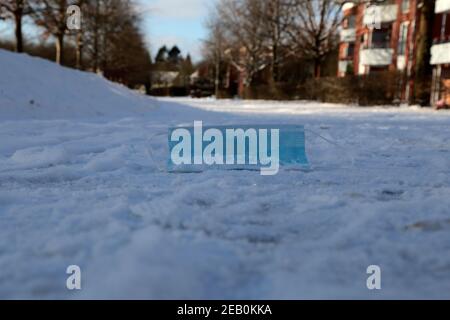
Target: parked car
<point x="202" y="88"/>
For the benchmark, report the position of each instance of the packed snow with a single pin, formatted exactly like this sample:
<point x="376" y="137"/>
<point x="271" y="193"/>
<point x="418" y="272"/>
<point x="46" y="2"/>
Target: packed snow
<point x="83" y="181"/>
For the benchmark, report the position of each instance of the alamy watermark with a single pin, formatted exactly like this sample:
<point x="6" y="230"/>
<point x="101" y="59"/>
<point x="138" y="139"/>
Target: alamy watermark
<point x="73" y="281"/>
<point x="73" y="21"/>
<point x="226" y="146"/>
<point x="374" y="280"/>
<point x="237" y="147"/>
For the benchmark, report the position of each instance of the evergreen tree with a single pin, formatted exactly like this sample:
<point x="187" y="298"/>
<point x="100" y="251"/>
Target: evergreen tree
<point x="174" y="55"/>
<point x="161" y="56"/>
<point x="187" y="64"/>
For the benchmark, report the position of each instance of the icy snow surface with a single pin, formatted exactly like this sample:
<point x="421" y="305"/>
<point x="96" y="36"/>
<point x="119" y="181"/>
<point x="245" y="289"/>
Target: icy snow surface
<point x="83" y="181"/>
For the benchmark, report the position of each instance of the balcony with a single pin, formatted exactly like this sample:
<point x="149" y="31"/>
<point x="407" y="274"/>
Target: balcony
<point x="385" y="14"/>
<point x="440" y="53"/>
<point x="348" y="35"/>
<point x="343" y="65"/>
<point x="442" y="6"/>
<point x="376" y="56"/>
<point x="347" y="6"/>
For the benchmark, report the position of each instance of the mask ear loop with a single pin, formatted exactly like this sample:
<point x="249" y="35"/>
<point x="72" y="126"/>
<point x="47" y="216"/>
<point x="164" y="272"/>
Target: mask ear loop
<point x="160" y="168"/>
<point x="349" y="153"/>
<point x="150" y="151"/>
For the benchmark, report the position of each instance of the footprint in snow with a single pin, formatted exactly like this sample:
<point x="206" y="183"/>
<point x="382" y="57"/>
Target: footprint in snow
<point x="435" y="225"/>
<point x="388" y="195"/>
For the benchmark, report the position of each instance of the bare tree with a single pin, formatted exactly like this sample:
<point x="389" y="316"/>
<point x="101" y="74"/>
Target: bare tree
<point x="215" y="46"/>
<point x="244" y="27"/>
<point x="93" y="17"/>
<point x="104" y="19"/>
<point x="79" y="40"/>
<point x="113" y="42"/>
<point x="16" y="10"/>
<point x="277" y="17"/>
<point x="51" y="16"/>
<point x="262" y="33"/>
<point x="313" y="29"/>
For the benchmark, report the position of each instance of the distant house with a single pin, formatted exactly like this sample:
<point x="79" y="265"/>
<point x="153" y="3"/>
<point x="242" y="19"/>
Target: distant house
<point x="194" y="77"/>
<point x="201" y="84"/>
<point x="169" y="83"/>
<point x="165" y="79"/>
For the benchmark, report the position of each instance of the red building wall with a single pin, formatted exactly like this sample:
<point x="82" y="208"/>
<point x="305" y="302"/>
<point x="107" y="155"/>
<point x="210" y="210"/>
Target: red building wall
<point x="363" y="36"/>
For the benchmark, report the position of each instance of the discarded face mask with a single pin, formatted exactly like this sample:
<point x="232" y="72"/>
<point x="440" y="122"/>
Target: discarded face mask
<point x="239" y="147"/>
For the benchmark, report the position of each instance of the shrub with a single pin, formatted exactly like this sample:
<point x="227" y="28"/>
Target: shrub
<point x="379" y="88"/>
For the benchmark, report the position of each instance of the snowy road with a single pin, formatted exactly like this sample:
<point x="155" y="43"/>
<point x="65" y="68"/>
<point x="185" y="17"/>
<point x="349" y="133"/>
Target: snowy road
<point x="95" y="194"/>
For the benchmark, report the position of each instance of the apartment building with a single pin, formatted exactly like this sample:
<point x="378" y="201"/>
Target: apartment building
<point x="440" y="54"/>
<point x="387" y="45"/>
<point x="390" y="45"/>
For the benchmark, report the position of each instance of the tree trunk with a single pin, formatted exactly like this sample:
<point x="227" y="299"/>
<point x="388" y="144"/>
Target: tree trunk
<point x="317" y="68"/>
<point x="217" y="77"/>
<point x="19" y="37"/>
<point x="275" y="64"/>
<point x="79" y="44"/>
<point x="60" y="49"/>
<point x="79" y="51"/>
<point x="423" y="70"/>
<point x="96" y="35"/>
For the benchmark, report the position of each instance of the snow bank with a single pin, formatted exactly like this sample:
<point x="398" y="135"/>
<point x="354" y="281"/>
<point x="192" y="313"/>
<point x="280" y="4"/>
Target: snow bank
<point x="34" y="88"/>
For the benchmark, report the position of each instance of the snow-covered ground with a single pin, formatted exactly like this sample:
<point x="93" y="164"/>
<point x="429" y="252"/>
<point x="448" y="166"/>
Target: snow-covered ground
<point x="83" y="181"/>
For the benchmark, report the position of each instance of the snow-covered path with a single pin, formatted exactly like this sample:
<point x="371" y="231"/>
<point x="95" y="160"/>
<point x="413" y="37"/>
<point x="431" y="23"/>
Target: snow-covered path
<point x="94" y="193"/>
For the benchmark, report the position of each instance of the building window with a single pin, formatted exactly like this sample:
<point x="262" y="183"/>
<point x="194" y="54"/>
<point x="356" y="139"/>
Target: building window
<point x="403" y="39"/>
<point x="350" y="50"/>
<point x="447" y="28"/>
<point x="405" y="6"/>
<point x="350" y="70"/>
<point x="437" y="28"/>
<point x="445" y="32"/>
<point x="381" y="38"/>
<point x="351" y="22"/>
<point x="441" y="29"/>
<point x="378" y="69"/>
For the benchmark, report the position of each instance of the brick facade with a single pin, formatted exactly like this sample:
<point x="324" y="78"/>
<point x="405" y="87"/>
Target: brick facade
<point x="390" y="47"/>
<point x="440" y="94"/>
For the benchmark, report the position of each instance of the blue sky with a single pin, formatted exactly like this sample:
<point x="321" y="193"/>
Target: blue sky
<point x="178" y="22"/>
